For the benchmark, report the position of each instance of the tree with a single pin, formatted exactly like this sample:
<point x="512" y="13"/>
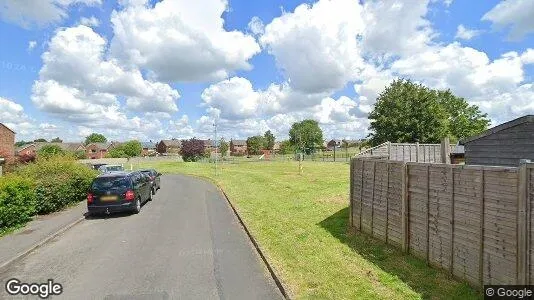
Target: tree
<point x="269" y="140"/>
<point x="223" y="147"/>
<point x="128" y="149"/>
<point x="406" y="112"/>
<point x="306" y="135"/>
<point x="56" y="140"/>
<point x="21" y="143"/>
<point x="255" y="144"/>
<point x="286" y="147"/>
<point x="95" y="138"/>
<point x="40" y="140"/>
<point x="192" y="150"/>
<point x="80" y="154"/>
<point x="48" y="151"/>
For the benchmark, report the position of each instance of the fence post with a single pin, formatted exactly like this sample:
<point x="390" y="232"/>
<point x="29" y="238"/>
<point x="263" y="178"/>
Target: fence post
<point x="428" y="214"/>
<point x="522" y="230"/>
<point x="373" y="199"/>
<point x="417" y="151"/>
<point x="452" y="218"/>
<point x="445" y="151"/>
<point x="351" y="193"/>
<point x="404" y="207"/>
<point x="481" y="248"/>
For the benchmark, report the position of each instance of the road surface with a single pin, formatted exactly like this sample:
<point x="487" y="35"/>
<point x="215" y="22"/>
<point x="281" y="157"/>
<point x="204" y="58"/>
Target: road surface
<point x="186" y="244"/>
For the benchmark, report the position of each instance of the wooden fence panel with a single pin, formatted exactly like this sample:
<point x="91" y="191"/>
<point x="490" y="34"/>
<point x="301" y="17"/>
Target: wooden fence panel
<point x="500" y="226"/>
<point x="467" y="226"/>
<point x="418" y="209"/>
<point x="531" y="224"/>
<point x="380" y="200"/>
<point x="395" y="234"/>
<point x="357" y="176"/>
<point x="440" y="215"/>
<point x="368" y="196"/>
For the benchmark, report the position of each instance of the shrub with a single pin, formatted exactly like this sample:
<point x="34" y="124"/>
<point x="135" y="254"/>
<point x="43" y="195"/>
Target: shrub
<point x="192" y="150"/>
<point x="17" y="201"/>
<point x="48" y="151"/>
<point x="59" y="181"/>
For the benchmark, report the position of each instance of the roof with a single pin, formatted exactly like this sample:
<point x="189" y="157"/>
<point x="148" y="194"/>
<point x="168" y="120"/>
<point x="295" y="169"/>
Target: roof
<point x="239" y="142"/>
<point x="7" y="127"/>
<point x="100" y="145"/>
<point x="148" y="145"/>
<point x="64" y="146"/>
<point x="172" y="143"/>
<point x="504" y="126"/>
<point x="18" y="149"/>
<point x="208" y="143"/>
<point x="458" y="149"/>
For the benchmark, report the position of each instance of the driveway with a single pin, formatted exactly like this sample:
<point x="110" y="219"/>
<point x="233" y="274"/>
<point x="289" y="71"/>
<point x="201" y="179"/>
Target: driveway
<point x="186" y="244"/>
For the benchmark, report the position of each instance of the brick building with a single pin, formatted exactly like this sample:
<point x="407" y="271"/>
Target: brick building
<point x="238" y="147"/>
<point x="7" y="143"/>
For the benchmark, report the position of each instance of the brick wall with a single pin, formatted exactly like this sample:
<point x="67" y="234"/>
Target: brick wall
<point x="7" y="142"/>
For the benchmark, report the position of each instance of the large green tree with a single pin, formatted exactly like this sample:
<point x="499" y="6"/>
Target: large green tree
<point x="95" y="138"/>
<point x="269" y="139"/>
<point x="306" y="135"/>
<point x="286" y="147"/>
<point x="128" y="149"/>
<point x="223" y="147"/>
<point x="406" y="112"/>
<point x="255" y="144"/>
<point x="56" y="140"/>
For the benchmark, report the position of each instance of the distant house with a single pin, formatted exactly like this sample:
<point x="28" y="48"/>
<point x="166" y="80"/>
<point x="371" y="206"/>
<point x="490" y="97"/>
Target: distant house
<point x="334" y="144"/>
<point x="26" y="150"/>
<point x="149" y="148"/>
<point x="238" y="147"/>
<point x="7" y="143"/>
<point x="98" y="150"/>
<point x="209" y="145"/>
<point x="169" y="146"/>
<point x="69" y="147"/>
<point x="276" y="147"/>
<point x="503" y="145"/>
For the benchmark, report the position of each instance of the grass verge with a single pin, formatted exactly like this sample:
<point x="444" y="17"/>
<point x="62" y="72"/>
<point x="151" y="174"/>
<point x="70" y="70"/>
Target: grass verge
<point x="300" y="222"/>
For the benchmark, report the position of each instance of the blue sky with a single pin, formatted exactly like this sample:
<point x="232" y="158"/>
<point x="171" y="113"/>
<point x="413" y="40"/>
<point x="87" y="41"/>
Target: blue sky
<point x="171" y="68"/>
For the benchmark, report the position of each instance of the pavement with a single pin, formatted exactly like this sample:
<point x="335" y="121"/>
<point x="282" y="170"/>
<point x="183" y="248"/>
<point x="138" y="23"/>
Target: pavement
<point x="185" y="244"/>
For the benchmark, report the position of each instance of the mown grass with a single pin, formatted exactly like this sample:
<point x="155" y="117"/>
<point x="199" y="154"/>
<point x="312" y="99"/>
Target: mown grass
<point x="300" y="222"/>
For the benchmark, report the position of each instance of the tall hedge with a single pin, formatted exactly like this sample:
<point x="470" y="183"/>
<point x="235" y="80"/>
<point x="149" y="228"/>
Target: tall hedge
<point x="17" y="201"/>
<point x="59" y="181"/>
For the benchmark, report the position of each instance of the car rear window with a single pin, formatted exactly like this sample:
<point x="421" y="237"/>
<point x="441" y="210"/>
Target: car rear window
<point x="111" y="183"/>
<point x="114" y="168"/>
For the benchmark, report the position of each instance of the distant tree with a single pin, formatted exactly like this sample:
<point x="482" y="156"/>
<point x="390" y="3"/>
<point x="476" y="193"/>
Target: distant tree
<point x="48" y="151"/>
<point x="306" y="135"/>
<point x="406" y="112"/>
<point x="269" y="140"/>
<point x="80" y="154"/>
<point x="21" y="143"/>
<point x="255" y="144"/>
<point x="95" y="138"/>
<point x="192" y="150"/>
<point x="223" y="147"/>
<point x="128" y="149"/>
<point x="40" y="140"/>
<point x="286" y="147"/>
<point x="56" y="140"/>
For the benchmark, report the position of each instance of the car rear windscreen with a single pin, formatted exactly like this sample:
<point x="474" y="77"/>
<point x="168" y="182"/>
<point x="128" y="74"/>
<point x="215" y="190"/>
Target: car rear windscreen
<point x="115" y="168"/>
<point x="111" y="183"/>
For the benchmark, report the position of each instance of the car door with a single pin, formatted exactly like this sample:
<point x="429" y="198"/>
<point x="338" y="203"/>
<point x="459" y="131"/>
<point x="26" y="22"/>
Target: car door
<point x="157" y="178"/>
<point x="146" y="185"/>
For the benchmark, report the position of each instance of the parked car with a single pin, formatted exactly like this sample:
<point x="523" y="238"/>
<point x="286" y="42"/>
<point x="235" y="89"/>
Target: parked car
<point x="97" y="166"/>
<point x="118" y="191"/>
<point x="111" y="168"/>
<point x="155" y="179"/>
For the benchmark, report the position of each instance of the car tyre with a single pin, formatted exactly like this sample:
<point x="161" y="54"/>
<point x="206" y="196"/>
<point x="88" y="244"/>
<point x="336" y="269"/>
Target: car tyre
<point x="137" y="207"/>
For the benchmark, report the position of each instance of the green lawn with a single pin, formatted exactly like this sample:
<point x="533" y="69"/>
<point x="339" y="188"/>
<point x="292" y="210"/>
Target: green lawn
<point x="300" y="222"/>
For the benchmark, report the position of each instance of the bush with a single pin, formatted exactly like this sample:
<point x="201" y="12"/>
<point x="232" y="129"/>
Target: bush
<point x="17" y="201"/>
<point x="48" y="151"/>
<point x="59" y="181"/>
<point x="192" y="150"/>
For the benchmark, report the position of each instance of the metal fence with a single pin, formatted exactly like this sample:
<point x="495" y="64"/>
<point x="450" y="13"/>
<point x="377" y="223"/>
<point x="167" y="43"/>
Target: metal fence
<point x="474" y="221"/>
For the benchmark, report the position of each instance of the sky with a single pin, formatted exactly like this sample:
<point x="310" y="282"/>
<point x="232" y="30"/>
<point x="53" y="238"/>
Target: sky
<point x="149" y="70"/>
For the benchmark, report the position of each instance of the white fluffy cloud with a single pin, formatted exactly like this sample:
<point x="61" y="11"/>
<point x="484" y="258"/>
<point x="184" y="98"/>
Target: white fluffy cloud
<point x="466" y="34"/>
<point x="517" y="15"/>
<point x="90" y="22"/>
<point x="181" y="40"/>
<point x="39" y="12"/>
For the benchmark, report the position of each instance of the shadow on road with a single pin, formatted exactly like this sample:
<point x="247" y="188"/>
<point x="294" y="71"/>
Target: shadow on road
<point x="429" y="282"/>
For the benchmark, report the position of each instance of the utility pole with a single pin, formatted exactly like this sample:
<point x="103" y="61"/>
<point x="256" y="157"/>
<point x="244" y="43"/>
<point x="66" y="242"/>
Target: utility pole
<point x="216" y="149"/>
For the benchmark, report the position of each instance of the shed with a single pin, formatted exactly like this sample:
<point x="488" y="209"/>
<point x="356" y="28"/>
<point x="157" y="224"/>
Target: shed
<point x="503" y="145"/>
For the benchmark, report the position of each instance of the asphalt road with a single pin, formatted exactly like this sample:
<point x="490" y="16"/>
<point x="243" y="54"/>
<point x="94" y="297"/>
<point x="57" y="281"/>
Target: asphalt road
<point x="186" y="244"/>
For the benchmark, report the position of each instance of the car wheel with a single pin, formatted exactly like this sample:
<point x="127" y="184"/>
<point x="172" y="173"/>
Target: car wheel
<point x="137" y="207"/>
<point x="154" y="190"/>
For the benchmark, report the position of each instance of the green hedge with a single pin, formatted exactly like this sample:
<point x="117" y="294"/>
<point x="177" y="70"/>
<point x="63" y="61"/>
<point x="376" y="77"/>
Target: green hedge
<point x="17" y="201"/>
<point x="59" y="181"/>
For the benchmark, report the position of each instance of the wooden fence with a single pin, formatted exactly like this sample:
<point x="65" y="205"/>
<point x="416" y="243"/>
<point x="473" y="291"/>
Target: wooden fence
<point x="474" y="221"/>
<point x="414" y="152"/>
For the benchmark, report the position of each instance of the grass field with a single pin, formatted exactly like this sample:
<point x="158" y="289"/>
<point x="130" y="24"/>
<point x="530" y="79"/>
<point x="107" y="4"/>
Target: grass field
<point x="300" y="222"/>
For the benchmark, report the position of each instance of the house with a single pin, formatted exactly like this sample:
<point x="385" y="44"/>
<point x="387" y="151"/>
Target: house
<point x="238" y="147"/>
<point x="169" y="146"/>
<point x="98" y="150"/>
<point x="7" y="143"/>
<point x="148" y="148"/>
<point x="26" y="150"/>
<point x="334" y="144"/>
<point x="209" y="146"/>
<point x="68" y="147"/>
<point x="503" y="145"/>
<point x="276" y="147"/>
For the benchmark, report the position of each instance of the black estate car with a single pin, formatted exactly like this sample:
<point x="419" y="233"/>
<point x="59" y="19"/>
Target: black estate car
<point x="155" y="179"/>
<point x="119" y="191"/>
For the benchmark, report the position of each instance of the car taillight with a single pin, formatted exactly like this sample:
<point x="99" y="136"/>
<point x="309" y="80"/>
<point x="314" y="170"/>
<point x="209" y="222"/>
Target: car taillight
<point x="90" y="198"/>
<point x="129" y="195"/>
